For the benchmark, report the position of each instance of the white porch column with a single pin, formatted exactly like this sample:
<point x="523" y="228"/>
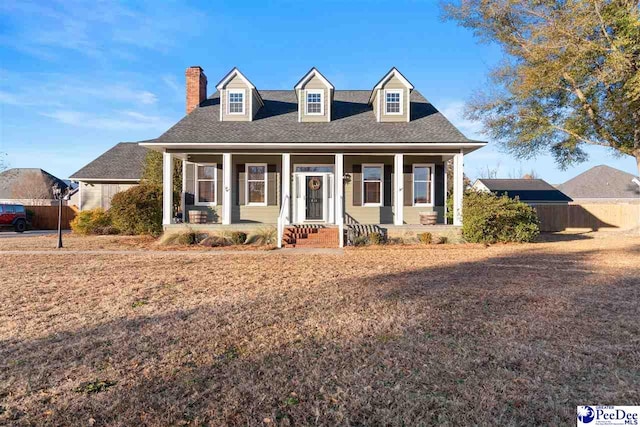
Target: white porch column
<point x="398" y="173"/>
<point x="286" y="187"/>
<point x="446" y="191"/>
<point x="167" y="188"/>
<point x="339" y="195"/>
<point x="183" y="198"/>
<point x="226" y="188"/>
<point x="458" y="188"/>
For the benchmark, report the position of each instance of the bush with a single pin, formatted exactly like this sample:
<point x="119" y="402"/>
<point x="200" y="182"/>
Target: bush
<point x="238" y="237"/>
<point x="488" y="218"/>
<point x="376" y="238"/>
<point x="138" y="210"/>
<point x="215" y="242"/>
<point x="425" y="238"/>
<point x="360" y="240"/>
<point x="183" y="238"/>
<point x="91" y="222"/>
<point x="263" y="237"/>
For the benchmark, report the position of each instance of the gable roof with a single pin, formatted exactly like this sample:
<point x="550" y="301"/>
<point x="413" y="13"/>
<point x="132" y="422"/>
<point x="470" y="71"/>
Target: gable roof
<point x="236" y="72"/>
<point x="527" y="190"/>
<point x="12" y="177"/>
<point x="122" y="162"/>
<point x="277" y="122"/>
<point x="392" y="72"/>
<point x="602" y="182"/>
<point x="313" y="72"/>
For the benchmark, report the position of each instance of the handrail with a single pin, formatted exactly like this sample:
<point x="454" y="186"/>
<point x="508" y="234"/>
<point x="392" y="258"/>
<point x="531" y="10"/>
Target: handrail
<point x="281" y="218"/>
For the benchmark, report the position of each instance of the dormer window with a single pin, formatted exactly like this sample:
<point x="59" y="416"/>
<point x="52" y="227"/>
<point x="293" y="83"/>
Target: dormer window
<point x="236" y="101"/>
<point x="393" y="102"/>
<point x="315" y="102"/>
<point x="314" y="94"/>
<point x="391" y="98"/>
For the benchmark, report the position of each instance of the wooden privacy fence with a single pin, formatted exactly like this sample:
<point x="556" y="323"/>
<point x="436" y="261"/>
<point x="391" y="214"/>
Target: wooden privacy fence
<point x="594" y="216"/>
<point x="46" y="217"/>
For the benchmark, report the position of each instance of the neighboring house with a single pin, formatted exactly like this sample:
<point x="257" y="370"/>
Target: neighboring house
<point x="530" y="191"/>
<point x="28" y="186"/>
<point x="118" y="169"/>
<point x="602" y="184"/>
<point x="312" y="155"/>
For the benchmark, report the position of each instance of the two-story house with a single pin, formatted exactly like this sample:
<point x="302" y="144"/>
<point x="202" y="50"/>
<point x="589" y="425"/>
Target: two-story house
<point x="312" y="155"/>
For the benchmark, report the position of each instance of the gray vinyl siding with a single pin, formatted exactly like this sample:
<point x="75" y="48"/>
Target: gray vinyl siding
<point x="236" y="83"/>
<point x="314" y="83"/>
<point x="367" y="214"/>
<point x="99" y="194"/>
<point x="355" y="212"/>
<point x="240" y="212"/>
<point x="395" y="83"/>
<point x="214" y="213"/>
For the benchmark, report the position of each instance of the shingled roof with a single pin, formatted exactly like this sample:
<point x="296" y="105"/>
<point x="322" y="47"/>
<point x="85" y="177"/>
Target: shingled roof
<point x="12" y="182"/>
<point x="602" y="182"/>
<point x="527" y="190"/>
<point x="124" y="161"/>
<point x="353" y="121"/>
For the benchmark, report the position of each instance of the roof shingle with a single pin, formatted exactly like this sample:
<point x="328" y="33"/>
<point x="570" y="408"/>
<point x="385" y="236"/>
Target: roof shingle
<point x="601" y="182"/>
<point x="353" y="121"/>
<point x="122" y="161"/>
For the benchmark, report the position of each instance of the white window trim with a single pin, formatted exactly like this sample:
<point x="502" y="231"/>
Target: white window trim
<point x="246" y="184"/>
<point x="373" y="165"/>
<point x="244" y="101"/>
<point x="215" y="185"/>
<point x="431" y="189"/>
<point x="306" y="100"/>
<point x="399" y="91"/>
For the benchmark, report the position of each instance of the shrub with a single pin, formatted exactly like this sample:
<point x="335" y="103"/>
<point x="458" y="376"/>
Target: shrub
<point x="425" y="238"/>
<point x="488" y="218"/>
<point x="138" y="210"/>
<point x="360" y="241"/>
<point x="441" y="240"/>
<point x="183" y="238"/>
<point x="238" y="237"/>
<point x="215" y="241"/>
<point x="91" y="222"/>
<point x="264" y="237"/>
<point x="376" y="238"/>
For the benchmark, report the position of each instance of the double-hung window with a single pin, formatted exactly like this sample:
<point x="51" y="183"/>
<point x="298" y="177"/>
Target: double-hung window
<point x="393" y="102"/>
<point x="372" y="184"/>
<point x="315" y="102"/>
<point x="205" y="185"/>
<point x="423" y="185"/>
<point x="236" y="101"/>
<point x="256" y="190"/>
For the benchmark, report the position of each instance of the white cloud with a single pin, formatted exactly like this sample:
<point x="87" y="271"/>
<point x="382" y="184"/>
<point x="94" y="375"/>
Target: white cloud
<point x="454" y="111"/>
<point x="117" y="121"/>
<point x="43" y="29"/>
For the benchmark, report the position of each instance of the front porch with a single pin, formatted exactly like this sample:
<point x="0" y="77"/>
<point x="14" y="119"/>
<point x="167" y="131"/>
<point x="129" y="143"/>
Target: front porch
<point x="246" y="191"/>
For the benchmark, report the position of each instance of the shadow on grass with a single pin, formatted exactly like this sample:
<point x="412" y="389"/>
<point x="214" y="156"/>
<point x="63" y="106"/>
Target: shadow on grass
<point x="519" y="339"/>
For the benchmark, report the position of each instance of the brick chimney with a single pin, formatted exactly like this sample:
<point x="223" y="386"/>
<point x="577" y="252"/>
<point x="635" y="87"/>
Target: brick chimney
<point x="196" y="87"/>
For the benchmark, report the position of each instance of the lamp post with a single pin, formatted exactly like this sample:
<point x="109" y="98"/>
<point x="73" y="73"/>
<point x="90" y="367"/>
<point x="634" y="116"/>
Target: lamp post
<point x="57" y="193"/>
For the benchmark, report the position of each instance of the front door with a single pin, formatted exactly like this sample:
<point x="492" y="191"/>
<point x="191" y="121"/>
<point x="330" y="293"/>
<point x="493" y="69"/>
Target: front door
<point x="314" y="208"/>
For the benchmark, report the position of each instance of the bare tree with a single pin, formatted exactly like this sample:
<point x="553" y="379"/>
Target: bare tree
<point x="488" y="172"/>
<point x="3" y="161"/>
<point x="33" y="186"/>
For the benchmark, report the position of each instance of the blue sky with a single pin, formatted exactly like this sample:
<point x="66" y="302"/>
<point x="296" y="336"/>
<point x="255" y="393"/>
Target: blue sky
<point x="78" y="77"/>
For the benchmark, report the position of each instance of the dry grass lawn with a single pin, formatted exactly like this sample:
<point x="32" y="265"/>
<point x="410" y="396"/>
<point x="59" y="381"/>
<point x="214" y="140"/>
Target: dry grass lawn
<point x="450" y="334"/>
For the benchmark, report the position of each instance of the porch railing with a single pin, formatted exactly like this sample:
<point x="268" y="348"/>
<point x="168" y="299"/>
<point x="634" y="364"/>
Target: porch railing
<point x="282" y="219"/>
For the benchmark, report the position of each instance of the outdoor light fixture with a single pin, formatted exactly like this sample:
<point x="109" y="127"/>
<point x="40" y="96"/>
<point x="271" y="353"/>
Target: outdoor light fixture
<point x="57" y="194"/>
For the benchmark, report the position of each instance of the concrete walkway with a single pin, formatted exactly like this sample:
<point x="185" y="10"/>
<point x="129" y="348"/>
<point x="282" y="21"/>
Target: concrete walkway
<point x="287" y="251"/>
